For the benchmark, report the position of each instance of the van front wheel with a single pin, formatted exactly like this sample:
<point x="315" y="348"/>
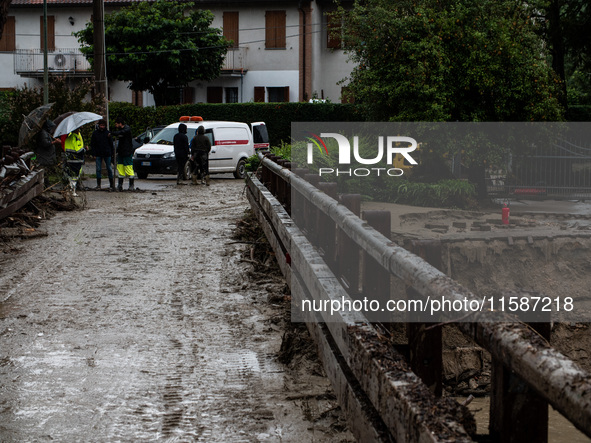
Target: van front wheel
<point x="240" y="171"/>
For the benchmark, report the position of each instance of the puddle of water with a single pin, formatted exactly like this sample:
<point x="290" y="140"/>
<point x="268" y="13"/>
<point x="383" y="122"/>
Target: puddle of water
<point x="560" y="430"/>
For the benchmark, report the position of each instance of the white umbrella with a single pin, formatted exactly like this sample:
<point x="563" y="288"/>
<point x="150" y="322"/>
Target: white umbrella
<point x="74" y="121"/>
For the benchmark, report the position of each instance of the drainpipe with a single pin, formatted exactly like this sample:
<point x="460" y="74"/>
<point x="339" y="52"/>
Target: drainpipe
<point x="45" y="66"/>
<point x="303" y="86"/>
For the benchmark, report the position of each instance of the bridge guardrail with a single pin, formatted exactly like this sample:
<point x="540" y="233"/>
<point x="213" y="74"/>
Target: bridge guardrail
<point x="515" y="347"/>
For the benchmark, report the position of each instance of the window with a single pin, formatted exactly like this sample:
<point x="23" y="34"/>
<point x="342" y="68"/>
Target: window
<point x="278" y="94"/>
<point x="7" y="42"/>
<point x="259" y="94"/>
<point x="50" y="33"/>
<point x="188" y="94"/>
<point x="275" y="30"/>
<point x="231" y="27"/>
<point x="273" y="94"/>
<point x="231" y="95"/>
<point x="137" y="98"/>
<point x="346" y="95"/>
<point x="334" y="31"/>
<point x="215" y="94"/>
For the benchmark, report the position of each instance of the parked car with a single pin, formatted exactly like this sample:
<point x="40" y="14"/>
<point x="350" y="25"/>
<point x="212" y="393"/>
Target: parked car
<point x="231" y="144"/>
<point x="146" y="136"/>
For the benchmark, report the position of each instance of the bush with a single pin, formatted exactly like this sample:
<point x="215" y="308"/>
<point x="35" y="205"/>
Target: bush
<point x="277" y="116"/>
<point x="20" y="102"/>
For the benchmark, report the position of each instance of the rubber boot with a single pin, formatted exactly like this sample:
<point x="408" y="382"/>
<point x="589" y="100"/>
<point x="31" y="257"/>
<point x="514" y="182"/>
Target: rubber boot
<point x="120" y="185"/>
<point x="98" y="184"/>
<point x="178" y="178"/>
<point x="194" y="179"/>
<point x="207" y="180"/>
<point x="131" y="187"/>
<point x="72" y="184"/>
<point x="111" y="184"/>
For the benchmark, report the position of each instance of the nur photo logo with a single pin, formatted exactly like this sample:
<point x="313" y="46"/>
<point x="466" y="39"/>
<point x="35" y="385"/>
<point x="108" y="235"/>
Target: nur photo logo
<point x="388" y="147"/>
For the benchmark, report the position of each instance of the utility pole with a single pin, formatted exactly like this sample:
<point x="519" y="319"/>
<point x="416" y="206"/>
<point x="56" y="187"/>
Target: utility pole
<point x="45" y="66"/>
<point x="100" y="57"/>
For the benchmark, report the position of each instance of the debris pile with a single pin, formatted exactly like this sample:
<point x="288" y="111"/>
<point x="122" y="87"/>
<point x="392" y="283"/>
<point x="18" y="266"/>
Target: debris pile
<point x="23" y="201"/>
<point x="14" y="164"/>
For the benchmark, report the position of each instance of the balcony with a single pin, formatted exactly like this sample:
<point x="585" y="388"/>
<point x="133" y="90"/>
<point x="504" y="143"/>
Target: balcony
<point x="62" y="62"/>
<point x="72" y="63"/>
<point x="235" y="62"/>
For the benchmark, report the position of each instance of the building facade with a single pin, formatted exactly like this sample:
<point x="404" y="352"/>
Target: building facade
<point x="282" y="51"/>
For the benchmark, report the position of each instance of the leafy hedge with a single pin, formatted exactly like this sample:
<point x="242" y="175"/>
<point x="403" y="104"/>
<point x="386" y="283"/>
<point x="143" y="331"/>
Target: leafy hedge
<point x="277" y="116"/>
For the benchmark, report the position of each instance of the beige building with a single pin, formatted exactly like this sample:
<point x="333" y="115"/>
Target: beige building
<point x="282" y="51"/>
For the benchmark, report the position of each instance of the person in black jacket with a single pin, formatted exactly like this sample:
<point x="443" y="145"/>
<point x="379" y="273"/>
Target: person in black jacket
<point x="200" y="149"/>
<point x="124" y="153"/>
<point x="101" y="146"/>
<point x="181" y="152"/>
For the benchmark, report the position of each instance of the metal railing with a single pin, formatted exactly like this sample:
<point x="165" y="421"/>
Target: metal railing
<point x="363" y="362"/>
<point x="235" y="60"/>
<point x="29" y="62"/>
<point x="559" y="171"/>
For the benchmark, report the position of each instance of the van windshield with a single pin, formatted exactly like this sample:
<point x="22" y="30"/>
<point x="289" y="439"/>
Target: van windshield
<point x="260" y="134"/>
<point x="164" y="137"/>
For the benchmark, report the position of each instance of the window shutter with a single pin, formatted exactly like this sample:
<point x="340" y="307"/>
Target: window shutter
<point x="275" y="29"/>
<point x="188" y="94"/>
<point x="50" y="33"/>
<point x="333" y="31"/>
<point x="286" y="94"/>
<point x="215" y="94"/>
<point x="137" y="98"/>
<point x="259" y="94"/>
<point x="231" y="27"/>
<point x="7" y="42"/>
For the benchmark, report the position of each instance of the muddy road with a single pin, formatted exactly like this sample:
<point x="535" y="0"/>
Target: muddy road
<point x="135" y="320"/>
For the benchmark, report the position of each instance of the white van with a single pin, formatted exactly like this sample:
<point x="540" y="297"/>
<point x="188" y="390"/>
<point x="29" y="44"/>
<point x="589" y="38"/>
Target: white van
<point x="231" y="144"/>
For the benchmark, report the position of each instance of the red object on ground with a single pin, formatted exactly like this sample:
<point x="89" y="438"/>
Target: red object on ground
<point x="505" y="215"/>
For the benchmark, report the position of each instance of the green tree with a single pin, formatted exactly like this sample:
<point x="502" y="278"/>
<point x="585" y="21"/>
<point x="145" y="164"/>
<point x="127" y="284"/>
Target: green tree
<point x="450" y="60"/>
<point x="566" y="25"/>
<point x="156" y="46"/>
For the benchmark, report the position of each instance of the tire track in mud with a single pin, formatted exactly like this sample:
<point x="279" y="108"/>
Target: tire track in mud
<point x="131" y="322"/>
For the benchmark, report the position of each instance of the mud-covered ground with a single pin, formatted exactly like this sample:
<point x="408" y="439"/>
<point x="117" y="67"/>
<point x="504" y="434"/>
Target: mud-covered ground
<point x="138" y="319"/>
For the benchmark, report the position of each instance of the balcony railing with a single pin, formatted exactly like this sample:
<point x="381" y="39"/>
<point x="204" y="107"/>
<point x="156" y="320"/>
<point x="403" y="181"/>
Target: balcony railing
<point x="69" y="62"/>
<point x="235" y="60"/>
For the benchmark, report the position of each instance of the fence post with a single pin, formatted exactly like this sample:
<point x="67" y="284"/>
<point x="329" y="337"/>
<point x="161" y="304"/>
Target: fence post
<point x="517" y="412"/>
<point x="327" y="227"/>
<point x="298" y="201"/>
<point x="266" y="174"/>
<point x="282" y="184"/>
<point x="425" y="340"/>
<point x="288" y="191"/>
<point x="376" y="279"/>
<point x="348" y="255"/>
<point x="310" y="213"/>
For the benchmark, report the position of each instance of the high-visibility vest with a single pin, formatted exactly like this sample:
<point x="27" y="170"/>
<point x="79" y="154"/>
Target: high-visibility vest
<point x="74" y="142"/>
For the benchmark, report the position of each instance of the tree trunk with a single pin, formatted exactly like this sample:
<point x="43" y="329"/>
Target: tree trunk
<point x="4" y="4"/>
<point x="556" y="38"/>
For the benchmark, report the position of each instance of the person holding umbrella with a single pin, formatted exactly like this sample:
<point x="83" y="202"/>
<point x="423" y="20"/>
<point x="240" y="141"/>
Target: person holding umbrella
<point x="124" y="153"/>
<point x="74" y="147"/>
<point x="45" y="149"/>
<point x="101" y="147"/>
